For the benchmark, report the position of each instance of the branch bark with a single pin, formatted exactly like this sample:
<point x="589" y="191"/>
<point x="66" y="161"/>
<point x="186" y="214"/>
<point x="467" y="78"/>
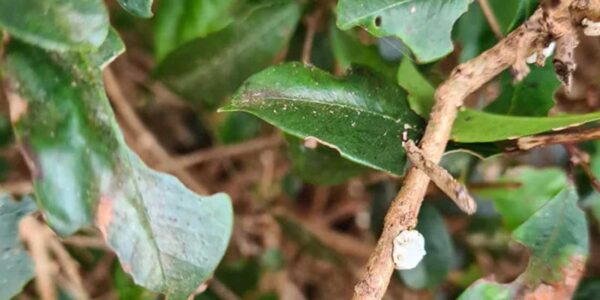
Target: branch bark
<point x="545" y="25"/>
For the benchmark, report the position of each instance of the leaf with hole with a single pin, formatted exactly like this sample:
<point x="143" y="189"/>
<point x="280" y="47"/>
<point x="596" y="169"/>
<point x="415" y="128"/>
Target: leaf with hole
<point x="169" y="239"/>
<point x="16" y="266"/>
<point x="56" y="24"/>
<point x="206" y="70"/>
<point x="424" y="26"/>
<point x="348" y="49"/>
<point x="362" y="116"/>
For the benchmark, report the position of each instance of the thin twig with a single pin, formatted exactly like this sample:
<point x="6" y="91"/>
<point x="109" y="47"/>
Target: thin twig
<point x="442" y="178"/>
<point x="17" y="187"/>
<point x="31" y="233"/>
<point x="568" y="137"/>
<point x="144" y="136"/>
<point x="222" y="291"/>
<point x="488" y="12"/>
<point x="465" y="79"/>
<point x="580" y="158"/>
<point x="222" y="152"/>
<point x="312" y="22"/>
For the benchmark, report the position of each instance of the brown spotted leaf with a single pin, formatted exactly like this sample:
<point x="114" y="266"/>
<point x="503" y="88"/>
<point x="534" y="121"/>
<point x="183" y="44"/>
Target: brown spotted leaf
<point x="557" y="238"/>
<point x="169" y="239"/>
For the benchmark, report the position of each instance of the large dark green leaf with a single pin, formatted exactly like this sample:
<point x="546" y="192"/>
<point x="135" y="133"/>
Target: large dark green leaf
<point x="322" y="165"/>
<point x="16" y="266"/>
<point x="56" y="24"/>
<point x="515" y="205"/>
<point x="473" y="126"/>
<point x="533" y="96"/>
<point x="348" y="50"/>
<point x="557" y="237"/>
<point x="424" y="26"/>
<point x="206" y="70"/>
<point x="140" y="8"/>
<point x="434" y="267"/>
<point x="180" y="21"/>
<point x="167" y="237"/>
<point x="362" y="116"/>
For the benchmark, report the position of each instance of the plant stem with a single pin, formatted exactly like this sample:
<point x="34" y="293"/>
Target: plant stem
<point x="530" y="37"/>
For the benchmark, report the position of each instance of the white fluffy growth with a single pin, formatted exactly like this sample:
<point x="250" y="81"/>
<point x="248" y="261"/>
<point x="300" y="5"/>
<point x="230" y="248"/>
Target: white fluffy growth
<point x="591" y="28"/>
<point x="409" y="249"/>
<point x="546" y="52"/>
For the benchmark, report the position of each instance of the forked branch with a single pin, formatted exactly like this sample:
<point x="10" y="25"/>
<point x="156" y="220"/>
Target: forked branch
<point x="554" y="21"/>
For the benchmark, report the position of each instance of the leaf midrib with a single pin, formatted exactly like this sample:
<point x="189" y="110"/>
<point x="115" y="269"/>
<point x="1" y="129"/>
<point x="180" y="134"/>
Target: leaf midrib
<point x="310" y="101"/>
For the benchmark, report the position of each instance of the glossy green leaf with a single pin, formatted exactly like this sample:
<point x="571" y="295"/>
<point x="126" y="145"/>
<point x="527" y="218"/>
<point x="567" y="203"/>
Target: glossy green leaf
<point x="206" y="70"/>
<point x="16" y="266"/>
<point x="420" y="91"/>
<point x="180" y="21"/>
<point x="238" y="127"/>
<point x="516" y="205"/>
<point x="169" y="239"/>
<point x="109" y="50"/>
<point x="56" y="24"/>
<point x="362" y="116"/>
<point x="533" y="96"/>
<point x="348" y="50"/>
<point x="557" y="238"/>
<point x="424" y="26"/>
<point x="140" y="8"/>
<point x="433" y="269"/>
<point x="554" y="235"/>
<point x="321" y="166"/>
<point x="473" y="126"/>
<point x="473" y="32"/>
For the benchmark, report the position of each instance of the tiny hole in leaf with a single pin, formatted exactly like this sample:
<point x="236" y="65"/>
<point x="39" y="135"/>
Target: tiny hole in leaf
<point x="378" y="21"/>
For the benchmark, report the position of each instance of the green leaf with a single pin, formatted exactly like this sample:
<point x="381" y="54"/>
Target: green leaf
<point x="473" y="31"/>
<point x="110" y="49"/>
<point x="557" y="238"/>
<point x="238" y="127"/>
<point x="56" y="24"/>
<point x="140" y="8"/>
<point x="424" y="26"/>
<point x="206" y="70"/>
<point x="432" y="270"/>
<point x="554" y="235"/>
<point x="180" y="21"/>
<point x="516" y="205"/>
<point x="420" y="91"/>
<point x="322" y="165"/>
<point x="167" y="237"/>
<point x="348" y="50"/>
<point x="533" y="96"/>
<point x="361" y="116"/>
<point x="473" y="126"/>
<point x="487" y="290"/>
<point x="16" y="266"/>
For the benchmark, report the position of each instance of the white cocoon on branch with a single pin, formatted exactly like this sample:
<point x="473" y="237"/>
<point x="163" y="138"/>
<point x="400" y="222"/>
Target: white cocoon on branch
<point x="409" y="249"/>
